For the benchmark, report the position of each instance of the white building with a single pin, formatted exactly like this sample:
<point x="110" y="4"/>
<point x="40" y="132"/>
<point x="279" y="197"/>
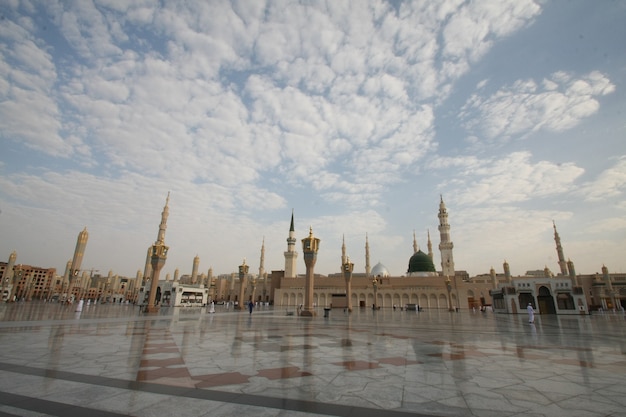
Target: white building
<point x="175" y="294"/>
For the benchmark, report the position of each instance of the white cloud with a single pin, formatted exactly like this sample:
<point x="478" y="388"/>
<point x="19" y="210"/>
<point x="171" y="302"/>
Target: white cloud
<point x="504" y="180"/>
<point x="525" y="107"/>
<point x="610" y="183"/>
<point x="474" y="26"/>
<point x="243" y="108"/>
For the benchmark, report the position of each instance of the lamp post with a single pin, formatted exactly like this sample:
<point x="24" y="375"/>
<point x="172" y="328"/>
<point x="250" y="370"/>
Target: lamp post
<point x="347" y="268"/>
<point x="243" y="272"/>
<point x="310" y="246"/>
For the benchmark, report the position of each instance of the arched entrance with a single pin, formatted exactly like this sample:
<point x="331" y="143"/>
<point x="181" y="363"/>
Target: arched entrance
<point x="545" y="301"/>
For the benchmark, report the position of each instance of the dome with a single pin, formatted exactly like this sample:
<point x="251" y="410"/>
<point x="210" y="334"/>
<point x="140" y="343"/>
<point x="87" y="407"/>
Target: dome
<point x="421" y="263"/>
<point x="380" y="270"/>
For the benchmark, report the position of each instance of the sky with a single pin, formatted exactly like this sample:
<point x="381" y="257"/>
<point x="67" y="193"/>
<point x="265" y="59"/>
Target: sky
<point x="355" y="116"/>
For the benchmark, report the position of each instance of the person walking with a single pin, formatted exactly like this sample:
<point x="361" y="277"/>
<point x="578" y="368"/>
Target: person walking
<point x="531" y="313"/>
<point x="250" y="306"/>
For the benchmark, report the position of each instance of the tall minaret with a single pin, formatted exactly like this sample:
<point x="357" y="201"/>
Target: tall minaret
<point x="262" y="262"/>
<point x="430" y="247"/>
<point x="163" y="225"/>
<point x="415" y="247"/>
<point x="445" y="245"/>
<point x="344" y="257"/>
<point x="77" y="260"/>
<point x="559" y="251"/>
<point x="291" y="256"/>
<point x="194" y="270"/>
<point x="368" y="268"/>
<point x="157" y="260"/>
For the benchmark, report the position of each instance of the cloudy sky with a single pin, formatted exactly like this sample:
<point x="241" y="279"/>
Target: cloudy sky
<point x="355" y="115"/>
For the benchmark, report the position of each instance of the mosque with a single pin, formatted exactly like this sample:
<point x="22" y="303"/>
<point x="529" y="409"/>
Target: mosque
<point x="422" y="287"/>
<point x="425" y="287"/>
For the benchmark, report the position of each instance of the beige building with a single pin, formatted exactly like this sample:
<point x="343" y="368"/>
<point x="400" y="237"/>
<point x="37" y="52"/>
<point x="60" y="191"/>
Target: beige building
<point x="423" y="285"/>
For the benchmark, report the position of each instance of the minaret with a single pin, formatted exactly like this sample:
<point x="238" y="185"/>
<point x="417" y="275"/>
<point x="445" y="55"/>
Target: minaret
<point x="494" y="278"/>
<point x="343" y="251"/>
<point x="572" y="273"/>
<point x="415" y="247"/>
<point x="430" y="247"/>
<point x="507" y="271"/>
<point x="445" y="245"/>
<point x="157" y="260"/>
<point x="66" y="275"/>
<point x="176" y="275"/>
<point x="262" y="262"/>
<point x="194" y="270"/>
<point x="559" y="251"/>
<point x="291" y="256"/>
<point x="81" y="244"/>
<point x="77" y="260"/>
<point x="7" y="275"/>
<point x="368" y="268"/>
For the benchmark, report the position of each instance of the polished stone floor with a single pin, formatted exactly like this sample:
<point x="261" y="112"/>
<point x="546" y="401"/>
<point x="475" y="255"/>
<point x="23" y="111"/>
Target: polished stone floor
<point x="112" y="360"/>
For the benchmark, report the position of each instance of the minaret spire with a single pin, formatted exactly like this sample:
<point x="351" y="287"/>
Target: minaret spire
<point x="291" y="255"/>
<point x="194" y="269"/>
<point x="430" y="246"/>
<point x="158" y="256"/>
<point x="368" y="268"/>
<point x="343" y="251"/>
<point x="445" y="245"/>
<point x="559" y="251"/>
<point x="415" y="247"/>
<point x="262" y="262"/>
<point x="163" y="225"/>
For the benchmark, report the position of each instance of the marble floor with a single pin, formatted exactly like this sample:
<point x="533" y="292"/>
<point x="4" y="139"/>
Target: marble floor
<point x="113" y="360"/>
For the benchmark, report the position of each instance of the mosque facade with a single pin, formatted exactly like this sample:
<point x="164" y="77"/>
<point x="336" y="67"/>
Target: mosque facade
<point x="423" y="286"/>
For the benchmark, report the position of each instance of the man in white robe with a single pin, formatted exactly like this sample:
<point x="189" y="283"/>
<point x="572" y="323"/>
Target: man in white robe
<point x="531" y="313"/>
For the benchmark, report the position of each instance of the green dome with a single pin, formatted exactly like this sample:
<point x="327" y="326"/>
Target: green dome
<point x="421" y="262"/>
